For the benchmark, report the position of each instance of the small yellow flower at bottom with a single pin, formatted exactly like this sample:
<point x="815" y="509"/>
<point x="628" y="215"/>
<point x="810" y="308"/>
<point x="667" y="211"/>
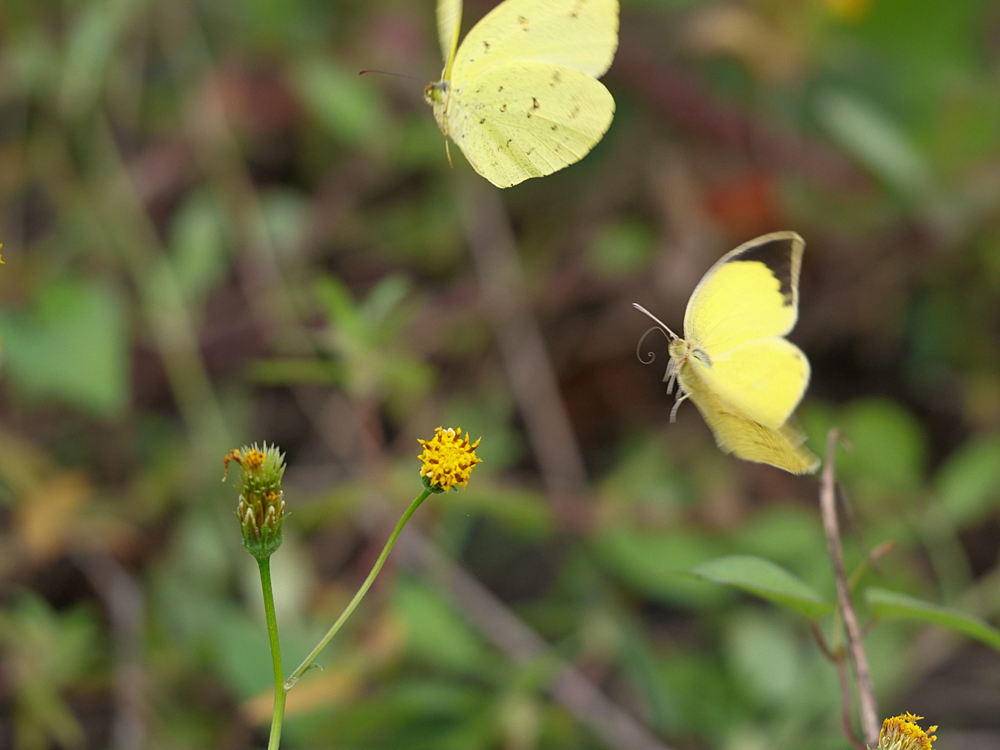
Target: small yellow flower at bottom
<point x="903" y="733"/>
<point x="447" y="459"/>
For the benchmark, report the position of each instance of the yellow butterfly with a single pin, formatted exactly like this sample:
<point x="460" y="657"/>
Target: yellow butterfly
<point x="520" y="96"/>
<point x="735" y="364"/>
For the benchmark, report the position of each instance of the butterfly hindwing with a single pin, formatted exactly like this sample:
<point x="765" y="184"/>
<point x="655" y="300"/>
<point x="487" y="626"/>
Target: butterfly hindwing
<point x="736" y="433"/>
<point x="527" y="119"/>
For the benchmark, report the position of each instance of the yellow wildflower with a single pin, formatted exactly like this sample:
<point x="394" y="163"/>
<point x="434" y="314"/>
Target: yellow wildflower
<point x="903" y="733"/>
<point x="448" y="459"/>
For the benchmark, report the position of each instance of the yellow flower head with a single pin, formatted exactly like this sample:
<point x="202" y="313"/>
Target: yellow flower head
<point x="903" y="733"/>
<point x="448" y="459"/>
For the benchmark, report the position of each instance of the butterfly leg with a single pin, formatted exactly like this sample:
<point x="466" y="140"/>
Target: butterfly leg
<point x="677" y="404"/>
<point x="670" y="376"/>
<point x="447" y="152"/>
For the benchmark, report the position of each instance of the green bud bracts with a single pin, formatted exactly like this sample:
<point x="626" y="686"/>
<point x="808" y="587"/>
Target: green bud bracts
<point x="261" y="508"/>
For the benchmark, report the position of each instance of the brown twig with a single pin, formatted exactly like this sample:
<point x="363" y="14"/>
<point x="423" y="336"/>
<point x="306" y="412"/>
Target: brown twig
<point x="123" y="600"/>
<point x="855" y="647"/>
<point x="522" y="348"/>
<point x="845" y="686"/>
<point x="513" y="636"/>
<point x="821" y="642"/>
<point x="845" y="705"/>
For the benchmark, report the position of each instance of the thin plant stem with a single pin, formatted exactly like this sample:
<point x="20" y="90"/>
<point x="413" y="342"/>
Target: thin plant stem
<point x="308" y="661"/>
<point x="272" y="633"/>
<point x="855" y="647"/>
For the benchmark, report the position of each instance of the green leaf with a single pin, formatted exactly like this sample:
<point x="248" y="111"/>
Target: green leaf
<point x="72" y="347"/>
<point x="969" y="482"/>
<point x="198" y="246"/>
<point x="435" y="632"/>
<point x="874" y="140"/>
<point x="888" y="445"/>
<point x="625" y="247"/>
<point x="763" y="578"/>
<point x="344" y="104"/>
<point x="891" y="604"/>
<point x="659" y="564"/>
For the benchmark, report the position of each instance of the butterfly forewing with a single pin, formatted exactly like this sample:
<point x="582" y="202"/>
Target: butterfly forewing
<point x="580" y="34"/>
<point x="751" y="293"/>
<point x="449" y="23"/>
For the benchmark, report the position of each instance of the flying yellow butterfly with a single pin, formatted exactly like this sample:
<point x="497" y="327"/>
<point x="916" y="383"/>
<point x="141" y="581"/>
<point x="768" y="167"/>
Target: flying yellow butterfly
<point x="735" y="364"/>
<point x="520" y="96"/>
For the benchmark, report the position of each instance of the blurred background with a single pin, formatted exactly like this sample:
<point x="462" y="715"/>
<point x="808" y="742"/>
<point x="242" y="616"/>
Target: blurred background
<point x="215" y="232"/>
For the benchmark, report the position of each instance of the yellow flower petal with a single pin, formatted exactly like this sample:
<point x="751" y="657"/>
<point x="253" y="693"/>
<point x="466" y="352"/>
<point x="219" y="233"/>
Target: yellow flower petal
<point x="448" y="459"/>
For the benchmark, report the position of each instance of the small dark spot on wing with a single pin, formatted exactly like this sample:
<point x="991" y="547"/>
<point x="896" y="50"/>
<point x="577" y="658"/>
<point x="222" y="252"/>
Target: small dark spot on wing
<point x="486" y="47"/>
<point x="534" y="103"/>
<point x="482" y="120"/>
<point x="503" y="108"/>
<point x="523" y="21"/>
<point x="500" y="89"/>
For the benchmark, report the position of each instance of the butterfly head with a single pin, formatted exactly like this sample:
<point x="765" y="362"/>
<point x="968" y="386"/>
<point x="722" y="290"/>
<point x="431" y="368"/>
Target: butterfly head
<point x="680" y="349"/>
<point x="435" y="93"/>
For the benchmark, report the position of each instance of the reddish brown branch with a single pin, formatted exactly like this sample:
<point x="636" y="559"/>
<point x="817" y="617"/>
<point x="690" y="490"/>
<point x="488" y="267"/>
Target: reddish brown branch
<point x="855" y="647"/>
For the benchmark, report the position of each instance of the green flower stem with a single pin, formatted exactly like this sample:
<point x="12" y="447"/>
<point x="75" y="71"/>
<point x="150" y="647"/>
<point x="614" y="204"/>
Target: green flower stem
<point x="272" y="633"/>
<point x="308" y="661"/>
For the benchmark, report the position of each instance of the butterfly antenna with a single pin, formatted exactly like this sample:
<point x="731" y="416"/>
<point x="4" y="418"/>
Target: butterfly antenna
<point x="651" y="355"/>
<point x="659" y="322"/>
<point x="387" y="73"/>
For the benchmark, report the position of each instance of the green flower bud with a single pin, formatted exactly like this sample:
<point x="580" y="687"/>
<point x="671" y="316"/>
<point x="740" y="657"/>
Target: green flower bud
<point x="261" y="509"/>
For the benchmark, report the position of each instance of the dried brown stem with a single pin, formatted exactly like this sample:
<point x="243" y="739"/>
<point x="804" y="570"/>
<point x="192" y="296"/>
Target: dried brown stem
<point x="845" y="705"/>
<point x="821" y="642"/>
<point x="855" y="647"/>
<point x="522" y="349"/>
<point x="570" y="689"/>
<point x="122" y="597"/>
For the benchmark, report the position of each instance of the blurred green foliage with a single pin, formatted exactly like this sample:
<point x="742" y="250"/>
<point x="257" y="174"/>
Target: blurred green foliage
<point x="215" y="231"/>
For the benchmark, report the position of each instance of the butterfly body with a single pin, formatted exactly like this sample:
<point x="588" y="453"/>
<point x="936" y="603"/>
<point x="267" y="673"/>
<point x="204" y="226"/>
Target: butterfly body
<point x="734" y="362"/>
<point x="520" y="95"/>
